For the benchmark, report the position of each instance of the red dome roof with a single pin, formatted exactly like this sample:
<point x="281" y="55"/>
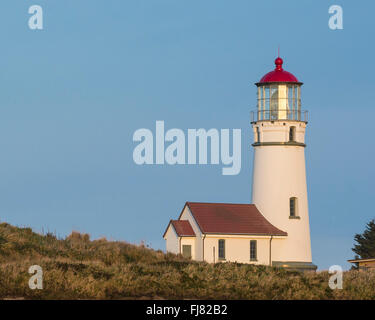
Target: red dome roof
<point x="279" y="74"/>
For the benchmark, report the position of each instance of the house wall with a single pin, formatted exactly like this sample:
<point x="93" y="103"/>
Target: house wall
<point x="368" y="264"/>
<point x="237" y="248"/>
<point x="172" y="241"/>
<point x="189" y="241"/>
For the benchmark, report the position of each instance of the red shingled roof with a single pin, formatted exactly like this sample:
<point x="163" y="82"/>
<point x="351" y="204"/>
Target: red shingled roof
<point x="228" y="218"/>
<point x="183" y="228"/>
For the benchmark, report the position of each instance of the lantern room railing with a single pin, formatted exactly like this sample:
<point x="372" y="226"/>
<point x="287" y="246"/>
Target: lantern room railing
<point x="274" y="115"/>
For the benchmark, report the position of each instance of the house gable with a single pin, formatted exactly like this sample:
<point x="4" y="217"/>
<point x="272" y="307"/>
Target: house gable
<point x="172" y="241"/>
<point x="187" y="215"/>
<point x="181" y="227"/>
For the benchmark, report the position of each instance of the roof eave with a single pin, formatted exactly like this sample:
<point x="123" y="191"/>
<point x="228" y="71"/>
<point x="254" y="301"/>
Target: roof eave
<point x="361" y="260"/>
<point x="274" y="82"/>
<point x="248" y="234"/>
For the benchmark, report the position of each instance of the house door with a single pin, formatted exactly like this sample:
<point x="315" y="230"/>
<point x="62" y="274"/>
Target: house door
<point x="186" y="250"/>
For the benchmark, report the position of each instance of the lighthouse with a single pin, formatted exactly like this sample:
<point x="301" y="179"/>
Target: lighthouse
<point x="279" y="188"/>
<point x="274" y="229"/>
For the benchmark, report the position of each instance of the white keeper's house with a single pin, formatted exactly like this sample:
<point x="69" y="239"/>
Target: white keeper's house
<point x="273" y="230"/>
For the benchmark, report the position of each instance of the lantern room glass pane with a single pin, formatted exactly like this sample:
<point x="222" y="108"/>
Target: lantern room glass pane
<point x="259" y="98"/>
<point x="298" y="98"/>
<point x="290" y="102"/>
<point x="263" y="114"/>
<point x="267" y="98"/>
<point x="290" y="97"/>
<point x="274" y="104"/>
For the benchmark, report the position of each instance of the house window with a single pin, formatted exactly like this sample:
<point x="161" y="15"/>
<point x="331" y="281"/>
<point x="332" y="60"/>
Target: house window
<point x="253" y="250"/>
<point x="258" y="134"/>
<point x="186" y="251"/>
<point x="293" y="207"/>
<point x="222" y="249"/>
<point x="292" y="134"/>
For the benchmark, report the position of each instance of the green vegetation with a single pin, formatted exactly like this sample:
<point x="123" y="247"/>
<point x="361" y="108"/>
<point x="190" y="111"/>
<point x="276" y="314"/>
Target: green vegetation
<point x="365" y="247"/>
<point x="77" y="268"/>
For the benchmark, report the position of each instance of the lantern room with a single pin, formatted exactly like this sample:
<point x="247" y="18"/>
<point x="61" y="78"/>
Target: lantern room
<point x="279" y="96"/>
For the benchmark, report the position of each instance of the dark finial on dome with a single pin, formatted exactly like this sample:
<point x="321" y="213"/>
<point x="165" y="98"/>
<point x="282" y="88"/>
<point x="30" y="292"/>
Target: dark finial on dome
<point x="279" y="63"/>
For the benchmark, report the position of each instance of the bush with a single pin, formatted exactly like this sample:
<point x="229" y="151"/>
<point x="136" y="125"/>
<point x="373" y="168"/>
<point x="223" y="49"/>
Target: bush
<point x="78" y="268"/>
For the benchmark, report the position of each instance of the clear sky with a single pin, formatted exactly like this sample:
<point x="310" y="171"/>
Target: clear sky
<point x="73" y="94"/>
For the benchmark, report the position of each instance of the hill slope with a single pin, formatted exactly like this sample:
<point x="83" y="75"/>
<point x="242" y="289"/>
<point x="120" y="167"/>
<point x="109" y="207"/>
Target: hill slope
<point x="77" y="268"/>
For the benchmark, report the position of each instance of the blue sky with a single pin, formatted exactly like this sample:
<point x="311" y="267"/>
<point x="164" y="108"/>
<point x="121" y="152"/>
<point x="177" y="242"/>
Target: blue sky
<point x="73" y="94"/>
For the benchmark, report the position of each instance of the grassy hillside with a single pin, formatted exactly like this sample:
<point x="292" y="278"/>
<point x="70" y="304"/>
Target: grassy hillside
<point x="77" y="268"/>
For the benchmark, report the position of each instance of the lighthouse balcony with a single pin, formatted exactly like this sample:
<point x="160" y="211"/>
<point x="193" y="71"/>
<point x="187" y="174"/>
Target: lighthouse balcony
<point x="279" y="115"/>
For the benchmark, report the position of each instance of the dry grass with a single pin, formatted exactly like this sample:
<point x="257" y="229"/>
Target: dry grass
<point x="77" y="268"/>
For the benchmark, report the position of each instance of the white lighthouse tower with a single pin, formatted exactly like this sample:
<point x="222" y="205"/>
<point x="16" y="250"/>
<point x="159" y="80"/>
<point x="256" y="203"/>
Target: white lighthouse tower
<point x="279" y="187"/>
